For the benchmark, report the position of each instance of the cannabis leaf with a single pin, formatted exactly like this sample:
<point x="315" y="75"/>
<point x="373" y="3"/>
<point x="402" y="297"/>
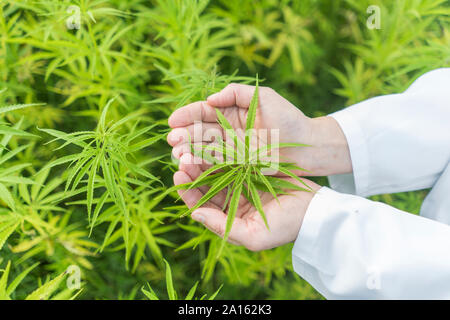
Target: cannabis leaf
<point x="173" y="295"/>
<point x="107" y="160"/>
<point x="44" y="292"/>
<point x="242" y="178"/>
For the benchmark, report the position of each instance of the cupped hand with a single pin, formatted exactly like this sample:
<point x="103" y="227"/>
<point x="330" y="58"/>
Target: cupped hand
<point x="284" y="216"/>
<point x="197" y="122"/>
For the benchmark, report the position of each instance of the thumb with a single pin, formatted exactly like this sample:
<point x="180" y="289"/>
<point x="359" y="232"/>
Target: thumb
<point x="232" y="95"/>
<point x="216" y="221"/>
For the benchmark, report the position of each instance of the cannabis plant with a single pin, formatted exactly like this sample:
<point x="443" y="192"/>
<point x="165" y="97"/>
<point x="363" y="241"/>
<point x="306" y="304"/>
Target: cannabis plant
<point x="11" y="175"/>
<point x="107" y="159"/>
<point x="241" y="173"/>
<point x="173" y="295"/>
<point x="49" y="290"/>
<point x="99" y="196"/>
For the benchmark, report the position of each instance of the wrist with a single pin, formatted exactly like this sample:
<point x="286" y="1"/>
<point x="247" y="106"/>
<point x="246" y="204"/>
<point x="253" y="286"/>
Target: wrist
<point x="329" y="151"/>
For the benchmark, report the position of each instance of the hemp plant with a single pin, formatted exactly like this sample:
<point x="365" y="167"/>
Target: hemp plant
<point x="50" y="290"/>
<point x="241" y="170"/>
<point x="107" y="158"/>
<point x="172" y="294"/>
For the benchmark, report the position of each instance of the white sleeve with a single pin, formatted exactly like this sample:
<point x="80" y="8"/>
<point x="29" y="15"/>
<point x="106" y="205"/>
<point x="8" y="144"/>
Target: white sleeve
<point x="352" y="248"/>
<point x="398" y="142"/>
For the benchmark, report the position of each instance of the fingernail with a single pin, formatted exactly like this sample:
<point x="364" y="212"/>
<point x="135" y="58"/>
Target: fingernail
<point x="198" y="217"/>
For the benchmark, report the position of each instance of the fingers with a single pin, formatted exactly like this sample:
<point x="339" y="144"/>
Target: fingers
<point x="194" y="171"/>
<point x="232" y="95"/>
<point x="180" y="149"/>
<point x="213" y="218"/>
<point x="197" y="132"/>
<point x="190" y="197"/>
<point x="188" y="165"/>
<point x="197" y="111"/>
<point x="185" y="149"/>
<point x="216" y="220"/>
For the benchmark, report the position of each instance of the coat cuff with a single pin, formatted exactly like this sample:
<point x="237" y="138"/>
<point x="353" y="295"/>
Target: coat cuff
<point x="306" y="245"/>
<point x="358" y="182"/>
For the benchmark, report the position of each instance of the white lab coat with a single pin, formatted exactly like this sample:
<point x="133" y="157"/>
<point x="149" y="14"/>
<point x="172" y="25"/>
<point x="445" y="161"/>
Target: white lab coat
<point x="352" y="248"/>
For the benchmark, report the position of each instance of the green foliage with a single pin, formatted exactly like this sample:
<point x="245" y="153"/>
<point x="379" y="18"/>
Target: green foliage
<point x="98" y="195"/>
<point x="48" y="290"/>
<point x="392" y="59"/>
<point x="151" y="295"/>
<point x="109" y="151"/>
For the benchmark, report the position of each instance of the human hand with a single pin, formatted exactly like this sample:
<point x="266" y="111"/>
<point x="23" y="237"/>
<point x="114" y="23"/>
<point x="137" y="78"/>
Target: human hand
<point x="284" y="217"/>
<point x="328" y="152"/>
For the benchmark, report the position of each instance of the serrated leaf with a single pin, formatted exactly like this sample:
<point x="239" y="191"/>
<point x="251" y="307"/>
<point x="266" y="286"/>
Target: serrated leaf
<point x="15" y="132"/>
<point x="232" y="208"/>
<point x="4" y="279"/>
<point x="251" y="117"/>
<point x="214" y="295"/>
<point x="169" y="282"/>
<point x="220" y="184"/>
<point x="102" y="120"/>
<point x="257" y="202"/>
<point x="13" y="285"/>
<point x="6" y="196"/>
<point x="191" y="292"/>
<point x="47" y="289"/>
<point x="19" y="106"/>
<point x="150" y="293"/>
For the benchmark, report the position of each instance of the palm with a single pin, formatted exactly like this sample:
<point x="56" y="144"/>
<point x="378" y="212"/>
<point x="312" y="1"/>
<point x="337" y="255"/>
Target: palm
<point x="288" y="206"/>
<point x="291" y="123"/>
<point x="284" y="216"/>
<point x="276" y="117"/>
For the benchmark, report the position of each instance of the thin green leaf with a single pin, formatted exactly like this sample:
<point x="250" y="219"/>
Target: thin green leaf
<point x="169" y="282"/>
